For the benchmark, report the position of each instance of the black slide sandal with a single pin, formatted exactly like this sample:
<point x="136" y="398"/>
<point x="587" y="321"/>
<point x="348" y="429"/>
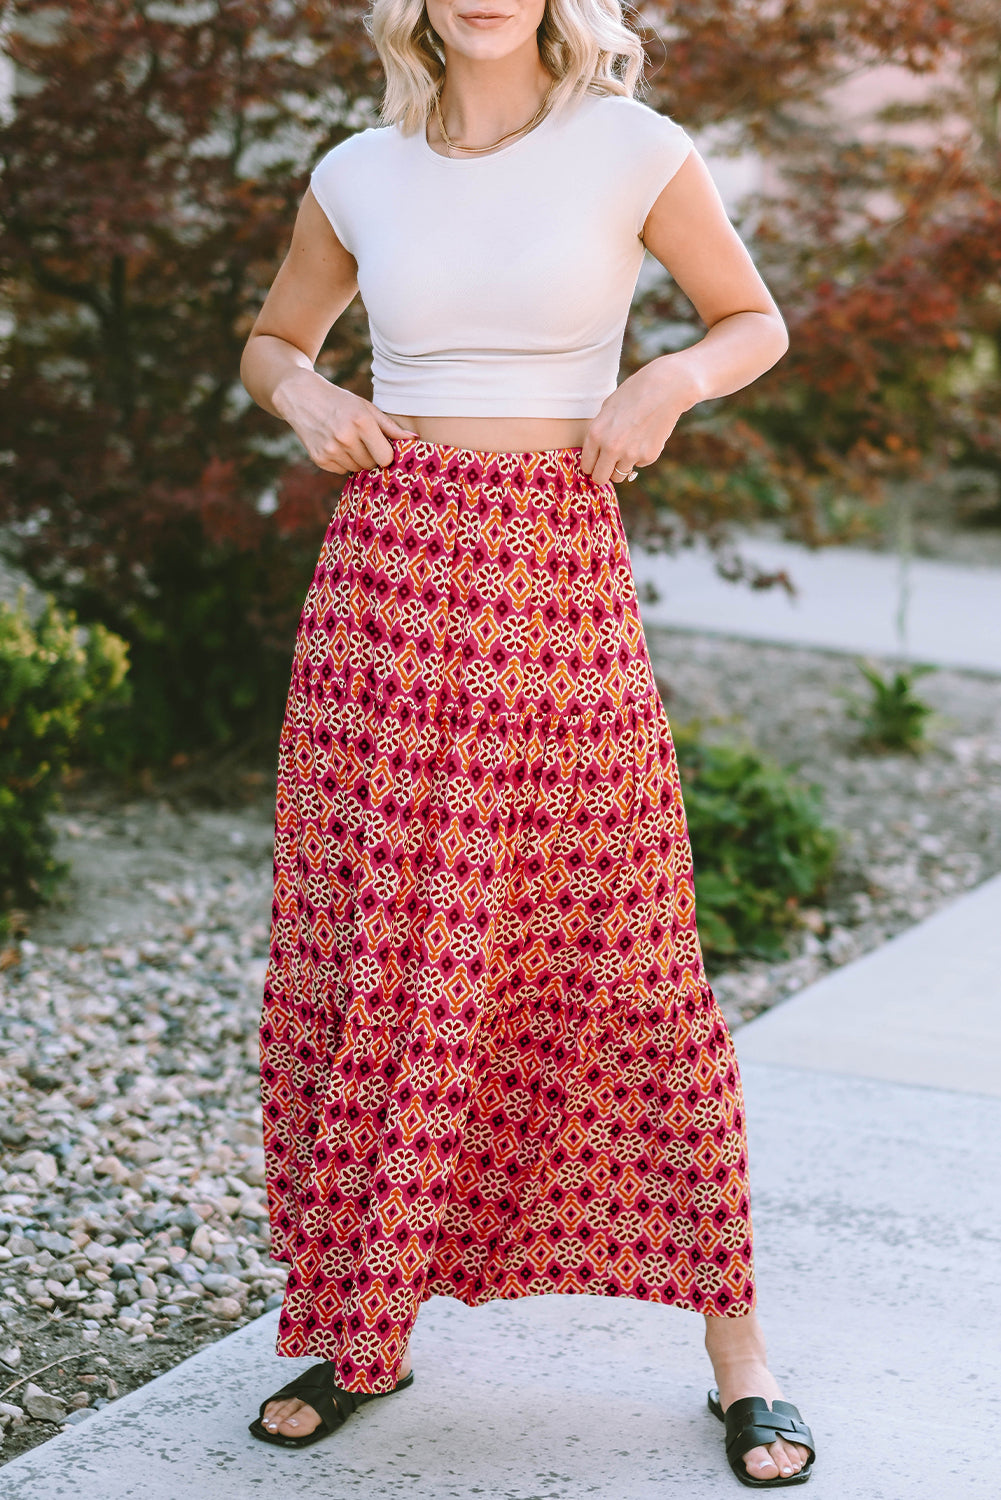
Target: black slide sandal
<point x="752" y="1423"/>
<point x="316" y="1388"/>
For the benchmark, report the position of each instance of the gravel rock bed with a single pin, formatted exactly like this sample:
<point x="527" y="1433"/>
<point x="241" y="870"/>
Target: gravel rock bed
<point x="915" y="831"/>
<point x="133" y="1224"/>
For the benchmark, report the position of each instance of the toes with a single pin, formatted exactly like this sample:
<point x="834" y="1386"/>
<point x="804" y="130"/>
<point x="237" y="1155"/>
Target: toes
<point x="787" y="1458"/>
<point x="276" y="1412"/>
<point x="778" y="1460"/>
<point x="301" y="1423"/>
<point x="293" y="1418"/>
<point x="759" y="1463"/>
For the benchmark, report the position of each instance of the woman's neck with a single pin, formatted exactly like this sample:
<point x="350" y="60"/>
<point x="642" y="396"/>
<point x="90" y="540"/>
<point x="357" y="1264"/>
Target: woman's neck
<point x="482" y="101"/>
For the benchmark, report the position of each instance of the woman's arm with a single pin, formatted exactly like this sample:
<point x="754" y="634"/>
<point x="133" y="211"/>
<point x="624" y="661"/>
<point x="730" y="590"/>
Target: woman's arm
<point x="689" y="232"/>
<point x="315" y="283"/>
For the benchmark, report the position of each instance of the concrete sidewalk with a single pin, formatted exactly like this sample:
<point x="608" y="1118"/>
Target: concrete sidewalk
<point x="848" y="601"/>
<point x="923" y="1008"/>
<point x="878" y="1248"/>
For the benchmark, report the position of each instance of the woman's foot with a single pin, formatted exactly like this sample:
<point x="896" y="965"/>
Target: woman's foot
<point x="295" y="1418"/>
<point x="736" y="1347"/>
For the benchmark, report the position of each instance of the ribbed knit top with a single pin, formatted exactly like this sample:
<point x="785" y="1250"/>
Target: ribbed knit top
<point x="500" y="285"/>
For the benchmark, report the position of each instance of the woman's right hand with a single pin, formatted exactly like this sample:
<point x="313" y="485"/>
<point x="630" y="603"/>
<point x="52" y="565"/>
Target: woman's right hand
<point x="340" y="431"/>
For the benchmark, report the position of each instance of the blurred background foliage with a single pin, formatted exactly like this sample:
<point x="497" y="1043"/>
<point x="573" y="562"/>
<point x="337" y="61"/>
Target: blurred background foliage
<point x="762" y="850"/>
<point x="152" y="164"/>
<point x="892" y="716"/>
<point x="63" y="692"/>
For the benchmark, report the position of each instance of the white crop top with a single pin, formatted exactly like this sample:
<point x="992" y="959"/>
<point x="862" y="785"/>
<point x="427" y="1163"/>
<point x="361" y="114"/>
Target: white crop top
<point x="500" y="285"/>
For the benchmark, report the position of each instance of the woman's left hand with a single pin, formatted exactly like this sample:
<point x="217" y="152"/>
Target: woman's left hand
<point x="636" y="421"/>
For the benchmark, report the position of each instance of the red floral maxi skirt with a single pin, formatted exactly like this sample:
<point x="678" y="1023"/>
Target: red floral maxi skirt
<point x="491" y="1063"/>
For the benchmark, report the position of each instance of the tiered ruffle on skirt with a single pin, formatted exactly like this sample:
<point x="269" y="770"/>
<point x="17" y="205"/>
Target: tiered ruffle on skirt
<point x="491" y="1063"/>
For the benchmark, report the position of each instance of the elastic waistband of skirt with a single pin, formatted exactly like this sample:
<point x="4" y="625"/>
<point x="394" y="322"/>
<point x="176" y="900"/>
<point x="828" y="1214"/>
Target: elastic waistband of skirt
<point x="403" y="445"/>
<point x="529" y="468"/>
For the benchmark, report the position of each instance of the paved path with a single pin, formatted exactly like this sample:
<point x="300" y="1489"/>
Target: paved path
<point x="924" y="1008"/>
<point x="848" y="601"/>
<point x="878" y="1250"/>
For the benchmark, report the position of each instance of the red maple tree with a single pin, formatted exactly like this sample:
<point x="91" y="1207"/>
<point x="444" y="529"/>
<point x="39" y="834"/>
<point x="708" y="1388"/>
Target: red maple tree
<point x="151" y="163"/>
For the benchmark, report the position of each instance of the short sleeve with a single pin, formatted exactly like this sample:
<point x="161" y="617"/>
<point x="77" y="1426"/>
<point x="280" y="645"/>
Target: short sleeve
<point x="330" y="180"/>
<point x="662" y="149"/>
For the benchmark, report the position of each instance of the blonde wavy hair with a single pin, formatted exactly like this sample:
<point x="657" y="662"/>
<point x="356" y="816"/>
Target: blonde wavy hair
<point x="584" y="44"/>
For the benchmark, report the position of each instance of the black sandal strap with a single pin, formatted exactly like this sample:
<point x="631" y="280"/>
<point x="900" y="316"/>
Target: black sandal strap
<point x="751" y="1423"/>
<point x="316" y="1388"/>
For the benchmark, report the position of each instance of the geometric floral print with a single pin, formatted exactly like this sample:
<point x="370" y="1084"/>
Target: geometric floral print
<point x="491" y="1063"/>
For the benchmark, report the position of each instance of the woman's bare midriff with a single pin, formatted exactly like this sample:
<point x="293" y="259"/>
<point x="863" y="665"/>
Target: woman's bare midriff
<point x="499" y="434"/>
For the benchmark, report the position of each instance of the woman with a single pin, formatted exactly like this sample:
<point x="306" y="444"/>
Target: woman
<point x="491" y="1062"/>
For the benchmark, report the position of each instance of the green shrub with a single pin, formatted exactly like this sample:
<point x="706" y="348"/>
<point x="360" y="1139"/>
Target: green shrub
<point x="210" y="639"/>
<point x="893" y="717"/>
<point x="760" y="846"/>
<point x="58" y="686"/>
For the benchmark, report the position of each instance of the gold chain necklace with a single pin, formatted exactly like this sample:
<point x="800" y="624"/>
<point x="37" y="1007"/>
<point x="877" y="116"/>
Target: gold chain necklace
<point x="451" y="145"/>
